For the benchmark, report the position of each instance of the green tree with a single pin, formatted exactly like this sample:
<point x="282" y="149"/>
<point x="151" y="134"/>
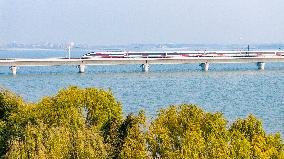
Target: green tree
<point x="41" y="141"/>
<point x="249" y="140"/>
<point x="10" y="103"/>
<point x="132" y="136"/>
<point x="101" y="107"/>
<point x="67" y="125"/>
<point x="186" y="131"/>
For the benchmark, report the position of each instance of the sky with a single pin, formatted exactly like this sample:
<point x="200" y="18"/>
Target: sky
<point x="104" y="22"/>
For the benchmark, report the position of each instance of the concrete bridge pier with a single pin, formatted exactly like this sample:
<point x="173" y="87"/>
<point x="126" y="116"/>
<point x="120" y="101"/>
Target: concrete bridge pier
<point x="145" y="67"/>
<point x="81" y="68"/>
<point x="260" y="65"/>
<point x="204" y="66"/>
<point x="14" y="70"/>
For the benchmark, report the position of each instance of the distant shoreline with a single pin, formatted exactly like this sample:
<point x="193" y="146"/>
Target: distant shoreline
<point x="28" y="49"/>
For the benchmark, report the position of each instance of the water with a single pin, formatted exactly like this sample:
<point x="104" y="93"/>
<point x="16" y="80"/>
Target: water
<point x="236" y="90"/>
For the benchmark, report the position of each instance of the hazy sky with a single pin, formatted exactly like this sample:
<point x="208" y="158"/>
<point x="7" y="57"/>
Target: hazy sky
<point x="142" y="21"/>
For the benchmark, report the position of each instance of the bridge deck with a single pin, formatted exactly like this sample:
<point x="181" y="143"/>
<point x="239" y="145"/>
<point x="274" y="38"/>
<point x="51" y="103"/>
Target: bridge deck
<point x="127" y="61"/>
<point x="203" y="61"/>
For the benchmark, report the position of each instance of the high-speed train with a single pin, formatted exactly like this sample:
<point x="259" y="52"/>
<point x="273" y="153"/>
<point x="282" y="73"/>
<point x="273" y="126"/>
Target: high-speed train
<point x="178" y="54"/>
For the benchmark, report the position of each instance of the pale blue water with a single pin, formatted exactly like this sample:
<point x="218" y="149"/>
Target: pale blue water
<point x="236" y="90"/>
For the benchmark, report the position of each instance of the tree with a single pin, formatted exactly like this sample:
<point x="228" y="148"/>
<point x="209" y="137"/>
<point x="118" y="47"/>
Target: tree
<point x="186" y="131"/>
<point x="132" y="137"/>
<point x="67" y="125"/>
<point x="42" y="141"/>
<point x="248" y="139"/>
<point x="101" y="107"/>
<point x="10" y="103"/>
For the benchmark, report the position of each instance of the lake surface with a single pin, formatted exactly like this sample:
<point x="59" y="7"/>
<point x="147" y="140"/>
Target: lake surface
<point x="236" y="90"/>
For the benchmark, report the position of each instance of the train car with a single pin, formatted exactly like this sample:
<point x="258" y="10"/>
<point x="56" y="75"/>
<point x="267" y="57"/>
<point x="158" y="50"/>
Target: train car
<point x="200" y="54"/>
<point x="146" y="55"/>
<point x="104" y="55"/>
<point x="266" y="53"/>
<point x="279" y="53"/>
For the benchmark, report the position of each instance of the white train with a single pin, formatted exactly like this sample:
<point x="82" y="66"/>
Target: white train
<point x="175" y="54"/>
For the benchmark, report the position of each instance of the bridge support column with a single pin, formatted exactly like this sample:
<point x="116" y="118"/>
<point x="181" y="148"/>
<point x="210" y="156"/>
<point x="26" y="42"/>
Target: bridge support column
<point x="81" y="68"/>
<point x="145" y="67"/>
<point x="204" y="66"/>
<point x="260" y="65"/>
<point x="14" y="70"/>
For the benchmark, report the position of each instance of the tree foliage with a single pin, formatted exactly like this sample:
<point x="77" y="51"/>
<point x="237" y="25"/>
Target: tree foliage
<point x="248" y="134"/>
<point x="88" y="123"/>
<point x="186" y="131"/>
<point x="75" y="123"/>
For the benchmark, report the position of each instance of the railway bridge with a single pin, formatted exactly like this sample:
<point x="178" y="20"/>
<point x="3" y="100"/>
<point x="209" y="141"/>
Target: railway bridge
<point x="203" y="62"/>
